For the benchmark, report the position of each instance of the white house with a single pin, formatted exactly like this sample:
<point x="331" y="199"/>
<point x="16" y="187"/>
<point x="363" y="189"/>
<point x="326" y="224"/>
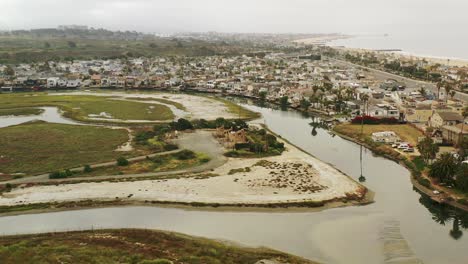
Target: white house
<point x="73" y="83"/>
<point x="52" y="82"/>
<point x="384" y="111"/>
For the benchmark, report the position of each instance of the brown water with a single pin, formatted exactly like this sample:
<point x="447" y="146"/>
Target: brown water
<point x="401" y="226"/>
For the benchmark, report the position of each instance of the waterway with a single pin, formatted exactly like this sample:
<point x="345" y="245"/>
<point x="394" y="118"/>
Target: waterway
<point x="49" y="114"/>
<point x="402" y="226"/>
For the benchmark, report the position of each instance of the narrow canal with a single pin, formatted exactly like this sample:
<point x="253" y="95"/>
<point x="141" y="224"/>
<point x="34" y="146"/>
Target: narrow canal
<point x="400" y="227"/>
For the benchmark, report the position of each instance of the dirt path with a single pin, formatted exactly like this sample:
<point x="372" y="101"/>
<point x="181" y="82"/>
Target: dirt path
<point x="198" y="141"/>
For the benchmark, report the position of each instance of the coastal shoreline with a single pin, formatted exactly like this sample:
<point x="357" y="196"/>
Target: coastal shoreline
<point x="402" y="54"/>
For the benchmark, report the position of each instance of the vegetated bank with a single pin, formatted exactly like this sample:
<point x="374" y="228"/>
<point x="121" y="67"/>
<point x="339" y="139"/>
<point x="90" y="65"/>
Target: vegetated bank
<point x="130" y="246"/>
<point x="414" y="164"/>
<point x="21" y="111"/>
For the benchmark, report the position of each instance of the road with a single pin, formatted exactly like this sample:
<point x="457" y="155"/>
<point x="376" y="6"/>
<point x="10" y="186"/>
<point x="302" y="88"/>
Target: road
<point x="411" y="84"/>
<point x="198" y="141"/>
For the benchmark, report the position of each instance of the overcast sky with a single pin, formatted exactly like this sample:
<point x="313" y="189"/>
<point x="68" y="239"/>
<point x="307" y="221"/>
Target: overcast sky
<point x="278" y="16"/>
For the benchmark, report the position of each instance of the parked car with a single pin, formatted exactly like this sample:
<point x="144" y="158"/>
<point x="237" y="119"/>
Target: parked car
<point x="403" y="145"/>
<point x="409" y="149"/>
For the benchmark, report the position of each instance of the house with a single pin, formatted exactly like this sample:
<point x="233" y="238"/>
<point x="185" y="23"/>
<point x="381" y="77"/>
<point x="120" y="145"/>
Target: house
<point x="52" y="82"/>
<point x="96" y="80"/>
<point x="230" y="138"/>
<point x="421" y="114"/>
<point x="73" y="83"/>
<point x="453" y="133"/>
<point x="384" y="111"/>
<point x="439" y="119"/>
<point x="62" y="83"/>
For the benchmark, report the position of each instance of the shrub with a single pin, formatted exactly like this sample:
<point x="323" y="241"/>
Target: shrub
<point x="238" y="146"/>
<point x="256" y="147"/>
<point x="156" y="261"/>
<point x="142" y="138"/>
<point x="122" y="161"/>
<point x="424" y="182"/>
<point x="169" y="147"/>
<point x="204" y="158"/>
<point x="87" y="169"/>
<point x="232" y="153"/>
<point x="57" y="175"/>
<point x="182" y="124"/>
<point x="68" y="172"/>
<point x="369" y="120"/>
<point x="185" y="155"/>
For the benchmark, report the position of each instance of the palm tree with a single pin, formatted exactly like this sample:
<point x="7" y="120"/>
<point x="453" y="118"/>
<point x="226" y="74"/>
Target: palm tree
<point x="438" y="85"/>
<point x="422" y="91"/>
<point x="444" y="168"/>
<point x="315" y="88"/>
<point x="452" y="94"/>
<point x="448" y="89"/>
<point x="365" y="99"/>
<point x="349" y="93"/>
<point x="464" y="114"/>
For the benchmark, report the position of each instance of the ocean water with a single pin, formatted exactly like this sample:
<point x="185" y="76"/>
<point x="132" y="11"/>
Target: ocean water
<point x="448" y="45"/>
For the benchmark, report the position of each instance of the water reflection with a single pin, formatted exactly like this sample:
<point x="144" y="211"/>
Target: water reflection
<point x="49" y="114"/>
<point x="444" y="214"/>
<point x="361" y="177"/>
<point x="318" y="123"/>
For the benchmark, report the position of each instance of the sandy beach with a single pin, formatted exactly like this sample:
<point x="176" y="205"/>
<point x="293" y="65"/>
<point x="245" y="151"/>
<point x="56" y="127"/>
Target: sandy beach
<point x="322" y="39"/>
<point x="326" y="39"/>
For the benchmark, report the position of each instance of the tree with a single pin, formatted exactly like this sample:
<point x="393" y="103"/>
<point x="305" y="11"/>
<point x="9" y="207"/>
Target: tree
<point x="448" y="90"/>
<point x="46" y="45"/>
<point x="428" y="149"/>
<point x="365" y="99"/>
<point x="452" y="94"/>
<point x="315" y="88"/>
<point x="465" y="115"/>
<point x="284" y="102"/>
<point x="463" y="149"/>
<point x="423" y="91"/>
<point x="444" y="168"/>
<point x="305" y="104"/>
<point x="182" y="124"/>
<point x="9" y="71"/>
<point x="262" y="95"/>
<point x="71" y="44"/>
<point x="438" y="85"/>
<point x="461" y="178"/>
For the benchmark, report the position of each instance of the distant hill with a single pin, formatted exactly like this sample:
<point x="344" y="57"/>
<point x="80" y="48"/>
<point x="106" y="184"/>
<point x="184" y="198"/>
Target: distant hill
<point x="51" y="44"/>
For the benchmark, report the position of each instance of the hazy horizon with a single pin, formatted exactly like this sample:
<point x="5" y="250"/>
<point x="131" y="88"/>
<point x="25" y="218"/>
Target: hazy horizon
<point x="261" y="16"/>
